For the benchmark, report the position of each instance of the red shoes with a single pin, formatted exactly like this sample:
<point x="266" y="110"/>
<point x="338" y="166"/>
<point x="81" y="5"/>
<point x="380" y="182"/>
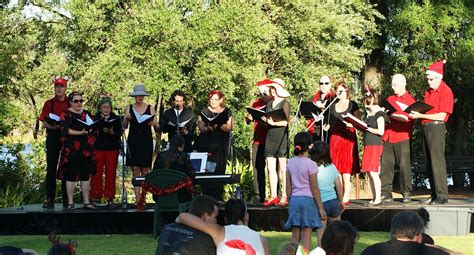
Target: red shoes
<point x="273" y="201"/>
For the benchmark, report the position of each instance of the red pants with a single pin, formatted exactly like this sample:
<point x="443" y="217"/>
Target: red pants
<point x="108" y="159"/>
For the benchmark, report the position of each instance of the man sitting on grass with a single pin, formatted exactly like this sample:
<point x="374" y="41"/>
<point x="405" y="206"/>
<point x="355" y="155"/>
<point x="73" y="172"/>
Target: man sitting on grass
<point x="406" y="230"/>
<point x="181" y="239"/>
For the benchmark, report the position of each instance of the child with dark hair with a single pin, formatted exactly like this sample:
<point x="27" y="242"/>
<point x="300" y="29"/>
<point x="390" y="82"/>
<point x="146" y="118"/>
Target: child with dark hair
<point x="330" y="185"/>
<point x="425" y="216"/>
<point x="234" y="238"/>
<point x="339" y="238"/>
<point x="305" y="210"/>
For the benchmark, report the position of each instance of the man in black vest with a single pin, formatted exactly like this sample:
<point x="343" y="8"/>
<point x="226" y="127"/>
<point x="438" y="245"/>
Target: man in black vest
<point x="181" y="239"/>
<point x="179" y="119"/>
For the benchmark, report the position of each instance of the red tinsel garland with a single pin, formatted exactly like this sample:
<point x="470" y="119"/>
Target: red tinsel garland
<point x="146" y="187"/>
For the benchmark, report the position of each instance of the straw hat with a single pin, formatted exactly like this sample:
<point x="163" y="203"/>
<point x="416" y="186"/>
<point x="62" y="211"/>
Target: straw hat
<point x="279" y="85"/>
<point x="138" y="90"/>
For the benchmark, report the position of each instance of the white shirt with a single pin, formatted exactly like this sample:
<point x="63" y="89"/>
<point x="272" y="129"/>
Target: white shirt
<point x="243" y="235"/>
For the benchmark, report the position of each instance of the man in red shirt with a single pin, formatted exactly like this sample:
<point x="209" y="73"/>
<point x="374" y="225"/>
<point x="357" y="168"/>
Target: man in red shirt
<point x="258" y="147"/>
<point x="52" y="109"/>
<point x="440" y="96"/>
<point x="321" y="99"/>
<point x="396" y="147"/>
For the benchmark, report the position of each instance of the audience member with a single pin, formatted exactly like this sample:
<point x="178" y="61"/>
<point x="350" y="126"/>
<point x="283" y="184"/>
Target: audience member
<point x="181" y="239"/>
<point x="236" y="238"/>
<point x="425" y="216"/>
<point x="10" y="250"/>
<point x="406" y="235"/>
<point x="339" y="238"/>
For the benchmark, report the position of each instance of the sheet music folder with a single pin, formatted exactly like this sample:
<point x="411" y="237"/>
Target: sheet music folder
<point x="276" y="115"/>
<point x="307" y="108"/>
<point x="357" y="123"/>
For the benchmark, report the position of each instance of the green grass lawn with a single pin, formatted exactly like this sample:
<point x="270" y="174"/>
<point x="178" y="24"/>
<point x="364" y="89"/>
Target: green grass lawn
<point x="145" y="245"/>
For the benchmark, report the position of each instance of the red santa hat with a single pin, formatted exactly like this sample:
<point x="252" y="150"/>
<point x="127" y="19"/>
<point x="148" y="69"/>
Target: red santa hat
<point x="437" y="69"/>
<point x="263" y="86"/>
<point x="279" y="85"/>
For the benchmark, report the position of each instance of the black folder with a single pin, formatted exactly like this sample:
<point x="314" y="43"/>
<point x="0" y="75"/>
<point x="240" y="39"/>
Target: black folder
<point x="306" y="108"/>
<point x="218" y="120"/>
<point x="276" y="115"/>
<point x="418" y="106"/>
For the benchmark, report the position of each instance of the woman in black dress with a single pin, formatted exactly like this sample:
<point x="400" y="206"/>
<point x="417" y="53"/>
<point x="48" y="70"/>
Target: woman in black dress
<point x="77" y="162"/>
<point x="140" y="117"/>
<point x="276" y="145"/>
<point x="214" y="137"/>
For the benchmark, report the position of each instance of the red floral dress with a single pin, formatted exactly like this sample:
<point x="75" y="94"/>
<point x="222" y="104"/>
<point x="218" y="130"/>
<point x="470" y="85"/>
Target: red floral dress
<point x="77" y="160"/>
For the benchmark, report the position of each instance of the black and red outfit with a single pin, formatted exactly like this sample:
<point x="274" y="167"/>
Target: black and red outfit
<point x="434" y="140"/>
<point x="259" y="136"/>
<point x="373" y="144"/>
<point x="53" y="147"/>
<point x="343" y="141"/>
<point x="396" y="148"/>
<point x="78" y="160"/>
<point x="107" y="147"/>
<point x="315" y="128"/>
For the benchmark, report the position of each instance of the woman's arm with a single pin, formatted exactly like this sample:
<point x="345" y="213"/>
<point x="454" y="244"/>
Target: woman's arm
<point x="288" y="184"/>
<point x="75" y="132"/>
<point x="313" y="183"/>
<point x="339" y="190"/>
<point x="380" y="127"/>
<point x="264" y="242"/>
<point x="227" y="127"/>
<point x="126" y="117"/>
<point x="217" y="232"/>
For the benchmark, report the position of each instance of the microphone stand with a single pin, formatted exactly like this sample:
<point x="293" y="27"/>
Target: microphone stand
<point x="320" y="116"/>
<point x="296" y="118"/>
<point x="124" y="152"/>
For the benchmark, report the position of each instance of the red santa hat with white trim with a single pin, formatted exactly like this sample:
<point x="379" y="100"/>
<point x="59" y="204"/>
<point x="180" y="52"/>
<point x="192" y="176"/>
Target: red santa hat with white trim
<point x="436" y="69"/>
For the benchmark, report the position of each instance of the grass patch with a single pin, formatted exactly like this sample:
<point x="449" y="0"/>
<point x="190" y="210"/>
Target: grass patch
<point x="143" y="244"/>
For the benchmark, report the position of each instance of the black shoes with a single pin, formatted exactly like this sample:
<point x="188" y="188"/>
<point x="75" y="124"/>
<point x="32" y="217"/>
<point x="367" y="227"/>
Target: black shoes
<point x="406" y="198"/>
<point x="439" y="201"/>
<point x="387" y="199"/>
<point x="48" y="203"/>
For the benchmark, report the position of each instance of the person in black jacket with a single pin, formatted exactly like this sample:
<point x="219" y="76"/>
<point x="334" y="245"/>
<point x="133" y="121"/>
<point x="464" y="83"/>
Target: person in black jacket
<point x="107" y="147"/>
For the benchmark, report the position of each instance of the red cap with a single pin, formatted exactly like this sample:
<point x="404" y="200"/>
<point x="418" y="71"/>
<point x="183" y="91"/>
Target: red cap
<point x="60" y="81"/>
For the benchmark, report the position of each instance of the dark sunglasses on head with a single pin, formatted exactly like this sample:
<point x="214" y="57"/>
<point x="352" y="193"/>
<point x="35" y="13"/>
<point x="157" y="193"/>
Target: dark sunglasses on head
<point x="324" y="83"/>
<point x="78" y="101"/>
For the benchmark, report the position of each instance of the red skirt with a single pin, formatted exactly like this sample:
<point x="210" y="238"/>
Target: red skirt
<point x="371" y="158"/>
<point x="344" y="151"/>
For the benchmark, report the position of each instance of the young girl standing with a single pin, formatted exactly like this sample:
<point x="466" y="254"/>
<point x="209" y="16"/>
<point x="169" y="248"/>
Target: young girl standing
<point x="305" y="207"/>
<point x="329" y="183"/>
<point x="373" y="144"/>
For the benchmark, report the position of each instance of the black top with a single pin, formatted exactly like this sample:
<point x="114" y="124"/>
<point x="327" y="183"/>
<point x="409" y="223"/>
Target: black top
<point x="183" y="240"/>
<point x="216" y="139"/>
<point x="351" y="108"/>
<point x="105" y="141"/>
<point x="171" y="123"/>
<point x="396" y="247"/>
<point x="370" y="138"/>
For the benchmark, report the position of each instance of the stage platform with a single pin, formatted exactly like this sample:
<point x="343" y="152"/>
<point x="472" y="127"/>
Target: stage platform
<point x="33" y="219"/>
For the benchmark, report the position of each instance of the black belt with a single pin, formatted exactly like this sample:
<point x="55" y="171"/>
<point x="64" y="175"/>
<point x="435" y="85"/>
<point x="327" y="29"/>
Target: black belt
<point x="436" y="122"/>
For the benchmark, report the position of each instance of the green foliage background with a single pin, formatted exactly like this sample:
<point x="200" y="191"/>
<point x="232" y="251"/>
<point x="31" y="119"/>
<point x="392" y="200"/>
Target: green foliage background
<point x="198" y="46"/>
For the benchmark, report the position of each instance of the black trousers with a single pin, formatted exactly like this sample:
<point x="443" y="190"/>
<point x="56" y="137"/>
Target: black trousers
<point x="260" y="166"/>
<point x="53" y="148"/>
<point x="396" y="154"/>
<point x="434" y="141"/>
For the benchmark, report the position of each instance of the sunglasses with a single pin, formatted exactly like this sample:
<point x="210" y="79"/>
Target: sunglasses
<point x="340" y="91"/>
<point x="78" y="101"/>
<point x="324" y="83"/>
